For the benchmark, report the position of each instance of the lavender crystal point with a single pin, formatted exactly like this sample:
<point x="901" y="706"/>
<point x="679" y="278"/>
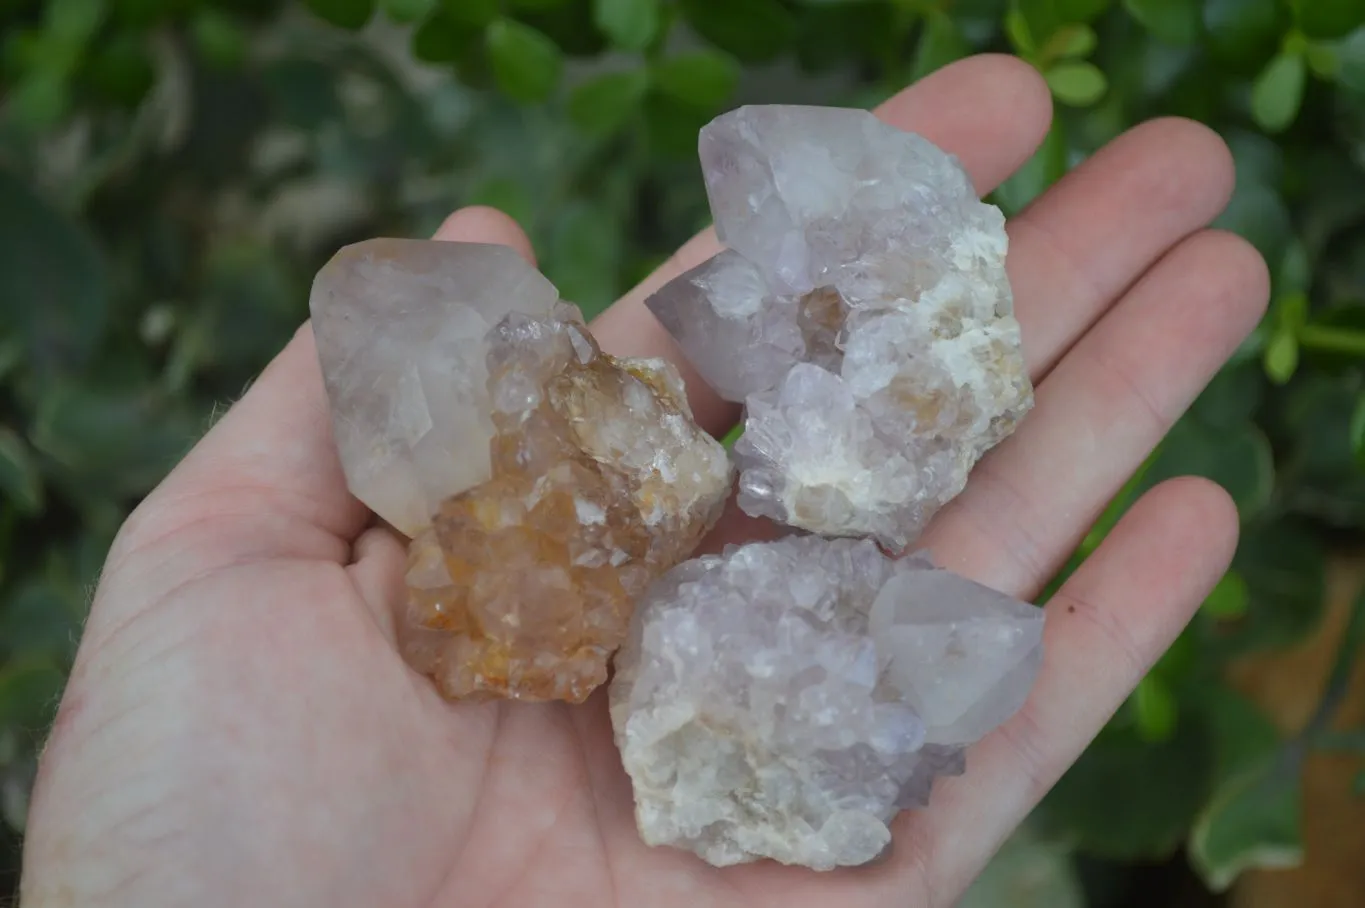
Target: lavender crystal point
<point x="402" y="330"/>
<point x="786" y="700"/>
<point x="862" y="313"/>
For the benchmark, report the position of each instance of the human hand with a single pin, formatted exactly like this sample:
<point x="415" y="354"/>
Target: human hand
<point x="239" y="728"/>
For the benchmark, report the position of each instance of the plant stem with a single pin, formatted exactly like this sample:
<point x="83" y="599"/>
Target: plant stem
<point x="1338" y="682"/>
<point x="1336" y="340"/>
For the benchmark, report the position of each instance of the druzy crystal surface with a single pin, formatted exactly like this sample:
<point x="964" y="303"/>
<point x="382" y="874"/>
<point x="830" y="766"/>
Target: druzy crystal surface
<point x="786" y="700"/>
<point x="544" y="483"/>
<point x="860" y="311"/>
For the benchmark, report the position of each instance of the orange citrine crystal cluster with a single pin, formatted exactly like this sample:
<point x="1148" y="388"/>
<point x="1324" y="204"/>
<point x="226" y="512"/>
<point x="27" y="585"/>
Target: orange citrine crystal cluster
<point x="543" y="483"/>
<point x="524" y="585"/>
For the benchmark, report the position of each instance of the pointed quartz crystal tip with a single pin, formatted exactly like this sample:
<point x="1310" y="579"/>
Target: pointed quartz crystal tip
<point x="786" y="700"/>
<point x="545" y="483"/>
<point x="860" y="311"/>
<point x="401" y="328"/>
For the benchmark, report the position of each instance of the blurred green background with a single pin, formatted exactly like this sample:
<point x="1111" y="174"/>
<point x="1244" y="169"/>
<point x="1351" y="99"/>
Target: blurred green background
<point x="173" y="172"/>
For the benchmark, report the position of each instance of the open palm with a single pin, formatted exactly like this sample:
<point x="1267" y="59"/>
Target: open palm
<point x="239" y="729"/>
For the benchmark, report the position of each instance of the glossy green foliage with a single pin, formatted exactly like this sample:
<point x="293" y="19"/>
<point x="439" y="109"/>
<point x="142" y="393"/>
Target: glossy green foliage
<point x="173" y="172"/>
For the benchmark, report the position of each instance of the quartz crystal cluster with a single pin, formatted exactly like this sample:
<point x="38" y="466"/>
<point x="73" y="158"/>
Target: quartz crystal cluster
<point x="860" y="311"/>
<point x="544" y="483"/>
<point x="785" y="700"/>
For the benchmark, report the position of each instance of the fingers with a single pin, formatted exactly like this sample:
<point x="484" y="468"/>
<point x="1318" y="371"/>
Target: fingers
<point x="1100" y="412"/>
<point x="481" y="224"/>
<point x="1087" y="239"/>
<point x="1105" y="628"/>
<point x="991" y="111"/>
<point x="268" y="473"/>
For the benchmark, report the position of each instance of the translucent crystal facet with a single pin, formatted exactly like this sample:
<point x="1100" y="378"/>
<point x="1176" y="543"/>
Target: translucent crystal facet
<point x="543" y="493"/>
<point x="785" y="700"/>
<point x="401" y="329"/>
<point x="862" y="313"/>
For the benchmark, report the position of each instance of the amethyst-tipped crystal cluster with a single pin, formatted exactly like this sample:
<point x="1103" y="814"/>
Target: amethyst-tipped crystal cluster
<point x="860" y="312"/>
<point x="786" y="700"/>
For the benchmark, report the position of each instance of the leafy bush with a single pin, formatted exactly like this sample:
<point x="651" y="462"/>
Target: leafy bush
<point x="172" y="173"/>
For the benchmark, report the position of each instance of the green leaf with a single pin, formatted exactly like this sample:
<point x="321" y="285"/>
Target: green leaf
<point x="940" y="43"/>
<point x="1329" y="18"/>
<point x="755" y="31"/>
<point x="705" y="79"/>
<point x="1232" y="397"/>
<point x="672" y="127"/>
<point x="568" y="23"/>
<point x="1312" y="425"/>
<point x="1019" y="33"/>
<point x="20" y="480"/>
<point x="509" y="196"/>
<point x="1098" y="804"/>
<point x="471" y="12"/>
<point x="1037" y="21"/>
<point x="442" y="39"/>
<point x="1237" y="458"/>
<point x="733" y="435"/>
<point x="631" y="24"/>
<point x="40" y="100"/>
<point x="1358" y="430"/>
<point x="1080" y="10"/>
<point x="1027" y="872"/>
<point x="1243" y="736"/>
<point x="1253" y="821"/>
<point x="1077" y="84"/>
<point x="1259" y="215"/>
<point x="43" y="615"/>
<point x="246" y="304"/>
<point x="1278" y="92"/>
<point x="584" y="256"/>
<point x="1283" y="567"/>
<point x="1155" y="708"/>
<point x="1351" y="61"/>
<point x="525" y="62"/>
<point x="1229" y="599"/>
<point x="1323" y="59"/>
<point x="407" y="11"/>
<point x="219" y="37"/>
<point x="74" y="22"/>
<point x="1281" y="356"/>
<point x="1243" y="31"/>
<point x="1071" y="41"/>
<point x="1173" y="21"/>
<point x="120" y="69"/>
<point x="52" y="280"/>
<point x="141" y="13"/>
<point x="833" y="35"/>
<point x="1292" y="277"/>
<point x="110" y="444"/>
<point x="30" y="688"/>
<point x="348" y="14"/>
<point x="602" y="105"/>
<point x="1046" y="167"/>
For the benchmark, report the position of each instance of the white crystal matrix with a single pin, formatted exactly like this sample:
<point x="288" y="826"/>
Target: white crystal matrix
<point x="862" y="313"/>
<point x="786" y="700"/>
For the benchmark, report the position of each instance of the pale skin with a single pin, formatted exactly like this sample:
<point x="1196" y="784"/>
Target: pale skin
<point x="240" y="730"/>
